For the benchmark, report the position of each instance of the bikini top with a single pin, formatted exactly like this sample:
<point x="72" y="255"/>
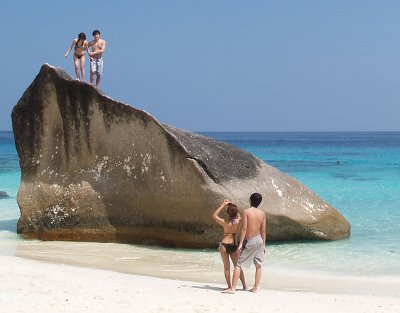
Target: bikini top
<point x="231" y="233"/>
<point x="234" y="236"/>
<point x="79" y="47"/>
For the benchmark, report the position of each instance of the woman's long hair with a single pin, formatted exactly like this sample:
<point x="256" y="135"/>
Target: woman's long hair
<point x="232" y="211"/>
<point x="81" y="36"/>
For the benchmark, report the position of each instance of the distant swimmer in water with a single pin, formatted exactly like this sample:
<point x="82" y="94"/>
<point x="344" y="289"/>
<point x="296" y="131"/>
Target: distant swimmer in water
<point x="228" y="247"/>
<point x="80" y="46"/>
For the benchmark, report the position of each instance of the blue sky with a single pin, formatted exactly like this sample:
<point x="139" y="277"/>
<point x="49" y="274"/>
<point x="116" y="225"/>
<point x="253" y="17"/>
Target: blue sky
<point x="222" y="65"/>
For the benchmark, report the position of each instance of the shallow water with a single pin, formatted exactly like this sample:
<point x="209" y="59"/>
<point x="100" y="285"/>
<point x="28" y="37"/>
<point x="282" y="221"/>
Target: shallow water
<point x="363" y="186"/>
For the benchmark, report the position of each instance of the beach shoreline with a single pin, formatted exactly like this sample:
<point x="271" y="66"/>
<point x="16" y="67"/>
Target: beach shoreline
<point x="31" y="285"/>
<point x="201" y="266"/>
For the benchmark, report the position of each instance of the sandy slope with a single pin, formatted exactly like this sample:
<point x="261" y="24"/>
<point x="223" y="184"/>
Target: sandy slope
<point x="34" y="286"/>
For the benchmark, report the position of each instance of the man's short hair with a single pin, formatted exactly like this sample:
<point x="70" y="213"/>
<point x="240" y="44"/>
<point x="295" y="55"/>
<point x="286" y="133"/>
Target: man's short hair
<point x="255" y="199"/>
<point x="96" y="32"/>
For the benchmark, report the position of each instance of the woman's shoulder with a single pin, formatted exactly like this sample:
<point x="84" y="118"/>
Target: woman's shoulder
<point x="225" y="222"/>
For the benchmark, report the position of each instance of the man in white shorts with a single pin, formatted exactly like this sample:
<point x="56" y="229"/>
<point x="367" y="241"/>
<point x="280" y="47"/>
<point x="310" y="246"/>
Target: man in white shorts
<point x="96" y="57"/>
<point x="252" y="242"/>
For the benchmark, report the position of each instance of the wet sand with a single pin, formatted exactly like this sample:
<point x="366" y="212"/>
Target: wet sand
<point x="203" y="266"/>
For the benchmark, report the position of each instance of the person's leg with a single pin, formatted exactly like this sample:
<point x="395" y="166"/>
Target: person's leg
<point x="99" y="64"/>
<point x="235" y="278"/>
<point x="98" y="80"/>
<point x="258" y="261"/>
<point x="76" y="64"/>
<point x="83" y="67"/>
<point x="235" y="257"/>
<point x="257" y="279"/>
<point x="227" y="269"/>
<point x="92" y="70"/>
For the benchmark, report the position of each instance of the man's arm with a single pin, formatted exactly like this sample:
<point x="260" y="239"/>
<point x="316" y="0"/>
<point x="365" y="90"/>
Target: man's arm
<point x="263" y="230"/>
<point x="243" y="230"/>
<point x="90" y="44"/>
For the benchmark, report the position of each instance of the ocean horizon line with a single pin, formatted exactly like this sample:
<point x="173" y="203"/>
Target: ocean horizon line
<point x="278" y="131"/>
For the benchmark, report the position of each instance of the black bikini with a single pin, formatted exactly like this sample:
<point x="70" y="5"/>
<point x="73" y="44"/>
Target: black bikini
<point x="230" y="248"/>
<point x="79" y="47"/>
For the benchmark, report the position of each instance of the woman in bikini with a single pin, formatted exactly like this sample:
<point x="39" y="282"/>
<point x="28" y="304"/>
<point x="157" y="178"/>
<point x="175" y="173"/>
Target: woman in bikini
<point x="229" y="243"/>
<point x="80" y="46"/>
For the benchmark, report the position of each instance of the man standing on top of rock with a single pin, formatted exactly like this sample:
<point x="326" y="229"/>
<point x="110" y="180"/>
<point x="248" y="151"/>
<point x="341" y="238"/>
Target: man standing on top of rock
<point x="96" y="57"/>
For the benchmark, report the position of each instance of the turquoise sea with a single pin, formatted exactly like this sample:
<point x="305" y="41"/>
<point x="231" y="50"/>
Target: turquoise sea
<point x="357" y="172"/>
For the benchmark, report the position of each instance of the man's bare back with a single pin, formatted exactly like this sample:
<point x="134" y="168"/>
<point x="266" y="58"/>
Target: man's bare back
<point x="255" y="222"/>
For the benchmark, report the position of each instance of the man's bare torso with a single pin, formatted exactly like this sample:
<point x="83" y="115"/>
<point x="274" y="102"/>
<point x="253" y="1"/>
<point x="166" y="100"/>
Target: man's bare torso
<point x="97" y="46"/>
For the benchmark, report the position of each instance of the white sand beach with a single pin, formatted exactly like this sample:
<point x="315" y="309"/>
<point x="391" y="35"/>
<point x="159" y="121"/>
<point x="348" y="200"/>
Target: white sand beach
<point x="37" y="286"/>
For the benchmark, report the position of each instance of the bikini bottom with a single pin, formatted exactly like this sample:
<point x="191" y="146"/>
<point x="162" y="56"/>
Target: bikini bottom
<point x="230" y="248"/>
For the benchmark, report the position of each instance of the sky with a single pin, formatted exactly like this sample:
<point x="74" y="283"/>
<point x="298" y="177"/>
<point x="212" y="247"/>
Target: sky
<point x="216" y="65"/>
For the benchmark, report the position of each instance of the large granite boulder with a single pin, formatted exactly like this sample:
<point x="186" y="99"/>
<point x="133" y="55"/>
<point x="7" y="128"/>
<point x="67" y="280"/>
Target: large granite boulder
<point x="95" y="169"/>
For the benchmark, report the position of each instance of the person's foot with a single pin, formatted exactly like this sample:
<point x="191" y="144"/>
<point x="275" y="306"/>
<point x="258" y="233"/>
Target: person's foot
<point x="254" y="289"/>
<point x="245" y="287"/>
<point x="229" y="290"/>
<point x="229" y="287"/>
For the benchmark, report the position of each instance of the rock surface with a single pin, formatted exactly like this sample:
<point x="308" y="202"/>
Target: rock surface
<point x="95" y="169"/>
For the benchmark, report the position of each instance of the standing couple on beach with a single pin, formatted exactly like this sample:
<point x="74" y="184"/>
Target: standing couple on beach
<point x="80" y="46"/>
<point x="250" y="248"/>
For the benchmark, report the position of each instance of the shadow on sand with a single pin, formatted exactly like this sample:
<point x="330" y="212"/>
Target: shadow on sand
<point x="208" y="287"/>
<point x="214" y="288"/>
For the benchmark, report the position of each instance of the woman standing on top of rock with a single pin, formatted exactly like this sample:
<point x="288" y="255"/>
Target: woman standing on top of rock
<point x="229" y="243"/>
<point x="80" y="46"/>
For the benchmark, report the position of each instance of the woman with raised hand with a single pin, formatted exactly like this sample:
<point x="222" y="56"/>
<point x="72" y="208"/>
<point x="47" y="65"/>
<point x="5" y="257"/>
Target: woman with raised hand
<point x="229" y="243"/>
